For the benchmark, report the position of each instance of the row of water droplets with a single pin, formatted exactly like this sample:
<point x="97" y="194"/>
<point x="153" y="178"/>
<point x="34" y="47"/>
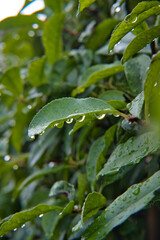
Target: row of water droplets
<point x="23" y="226"/>
<point x="70" y="120"/>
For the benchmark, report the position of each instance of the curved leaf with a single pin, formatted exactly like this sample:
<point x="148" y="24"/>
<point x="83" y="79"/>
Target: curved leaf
<point x="18" y="219"/>
<point x="140" y="41"/>
<point x="130" y="153"/>
<point x="93" y="202"/>
<point x="130" y="202"/>
<point x="95" y="73"/>
<point x="135" y="107"/>
<point x="140" y="13"/>
<point x="65" y="109"/>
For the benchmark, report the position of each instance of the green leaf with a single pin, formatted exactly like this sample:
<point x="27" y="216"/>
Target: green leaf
<point x="36" y="72"/>
<point x="37" y="175"/>
<point x="18" y="219"/>
<point x="11" y="79"/>
<point x="130" y="153"/>
<point x="95" y="73"/>
<point x="56" y="6"/>
<point x="115" y="98"/>
<point x="62" y="187"/>
<point x="96" y="156"/>
<point x="139" y="14"/>
<point x="135" y="107"/>
<point x="52" y="39"/>
<point x="140" y="41"/>
<point x="101" y="33"/>
<point x="93" y="202"/>
<point x="19" y="21"/>
<point x="65" y="109"/>
<point x="130" y="202"/>
<point x="83" y="4"/>
<point x="151" y="81"/>
<point x="136" y="72"/>
<point x="83" y="187"/>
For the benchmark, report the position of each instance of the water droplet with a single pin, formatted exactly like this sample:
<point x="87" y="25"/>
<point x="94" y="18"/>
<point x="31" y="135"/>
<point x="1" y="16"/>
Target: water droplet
<point x="118" y="9"/>
<point x="41" y="215"/>
<point x="23" y="226"/>
<point x="51" y="164"/>
<point x="31" y="33"/>
<point x="42" y="133"/>
<point x="15" y="167"/>
<point x="29" y="106"/>
<point x="136" y="191"/>
<point x="15" y="229"/>
<point x="60" y="213"/>
<point x="69" y="121"/>
<point x="155" y="84"/>
<point x="135" y="19"/>
<point x="116" y="115"/>
<point x="100" y="117"/>
<point x="149" y="115"/>
<point x="59" y="125"/>
<point x="127" y="18"/>
<point x="35" y="26"/>
<point x="81" y="119"/>
<point x="7" y="158"/>
<point x="32" y="137"/>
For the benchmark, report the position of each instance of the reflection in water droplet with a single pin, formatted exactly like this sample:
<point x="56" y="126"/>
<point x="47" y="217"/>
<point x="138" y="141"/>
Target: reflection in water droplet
<point x="69" y="120"/>
<point x="35" y="26"/>
<point x="32" y="137"/>
<point x="15" y="229"/>
<point x="135" y="19"/>
<point x="81" y="119"/>
<point x="100" y="117"/>
<point x="7" y="158"/>
<point x="155" y="84"/>
<point x="23" y="226"/>
<point x="136" y="191"/>
<point x="42" y="133"/>
<point x="118" y="9"/>
<point x="51" y="164"/>
<point x="59" y="125"/>
<point x="31" y="33"/>
<point x="29" y="106"/>
<point x="60" y="213"/>
<point x="41" y="215"/>
<point x="15" y="167"/>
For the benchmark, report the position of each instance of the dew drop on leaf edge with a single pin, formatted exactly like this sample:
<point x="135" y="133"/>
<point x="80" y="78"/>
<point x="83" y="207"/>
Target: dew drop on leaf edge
<point x="69" y="121"/>
<point x="100" y="117"/>
<point x="81" y="119"/>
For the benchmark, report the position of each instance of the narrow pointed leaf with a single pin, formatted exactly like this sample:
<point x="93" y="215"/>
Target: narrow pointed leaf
<point x="52" y="38"/>
<point x="63" y="109"/>
<point x="18" y="219"/>
<point x="151" y="81"/>
<point x="130" y="153"/>
<point x="139" y="14"/>
<point x="95" y="73"/>
<point x="97" y="153"/>
<point x="130" y="202"/>
<point x="140" y="41"/>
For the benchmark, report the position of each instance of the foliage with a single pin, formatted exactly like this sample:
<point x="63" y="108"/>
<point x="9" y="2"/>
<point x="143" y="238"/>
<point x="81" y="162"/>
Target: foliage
<point x="79" y="121"/>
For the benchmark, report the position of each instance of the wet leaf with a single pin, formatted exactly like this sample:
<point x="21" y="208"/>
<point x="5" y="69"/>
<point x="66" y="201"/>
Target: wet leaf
<point x="95" y="73"/>
<point x="130" y="153"/>
<point x="66" y="109"/>
<point x="130" y="202"/>
<point x="139" y="14"/>
<point x="18" y="219"/>
<point x="93" y="202"/>
<point x="83" y="4"/>
<point x="135" y="107"/>
<point x="140" y="41"/>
